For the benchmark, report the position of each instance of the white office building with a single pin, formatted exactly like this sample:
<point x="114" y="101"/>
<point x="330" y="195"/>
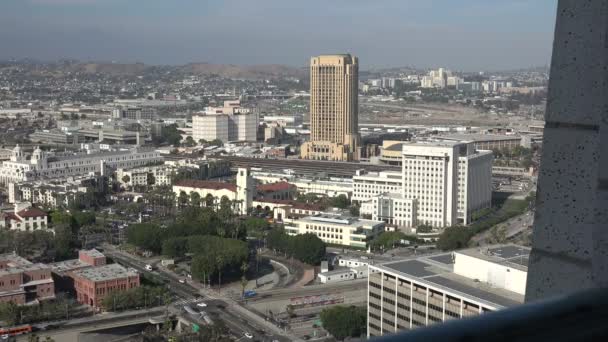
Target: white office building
<point x="442" y="184"/>
<point x="336" y="228"/>
<point x="228" y="123"/>
<point x="407" y="294"/>
<point x="369" y="184"/>
<point x="50" y="165"/>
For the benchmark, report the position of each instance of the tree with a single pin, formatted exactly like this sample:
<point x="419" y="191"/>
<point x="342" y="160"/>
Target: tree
<point x="175" y="247"/>
<point x="424" y="228"/>
<point x="126" y="179"/>
<point x="183" y="199"/>
<point x="307" y="248"/>
<point x="216" y="142"/>
<point x="82" y="218"/>
<point x="386" y="240"/>
<point x="195" y="199"/>
<point x="189" y="141"/>
<point x="454" y="238"/>
<point x="150" y="179"/>
<point x="341" y="201"/>
<point x="255" y="227"/>
<point x="146" y="236"/>
<point x="209" y="200"/>
<point x="344" y="321"/>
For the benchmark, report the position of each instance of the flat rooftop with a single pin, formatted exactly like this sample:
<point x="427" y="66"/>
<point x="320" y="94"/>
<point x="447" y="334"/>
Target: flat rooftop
<point x="508" y="255"/>
<point x="340" y="220"/>
<point x="438" y="270"/>
<point x="68" y="265"/>
<point x="479" y="137"/>
<point x="93" y="253"/>
<point x="106" y="272"/>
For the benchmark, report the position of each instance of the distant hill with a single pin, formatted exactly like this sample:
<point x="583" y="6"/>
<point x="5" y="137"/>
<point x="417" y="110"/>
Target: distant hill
<point x="244" y="71"/>
<point x="252" y="72"/>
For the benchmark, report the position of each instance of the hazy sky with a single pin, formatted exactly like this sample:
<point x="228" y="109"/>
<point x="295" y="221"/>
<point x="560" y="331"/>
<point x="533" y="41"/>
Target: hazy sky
<point x="459" y="34"/>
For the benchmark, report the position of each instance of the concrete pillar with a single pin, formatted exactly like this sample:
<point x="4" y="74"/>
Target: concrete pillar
<point x="570" y="236"/>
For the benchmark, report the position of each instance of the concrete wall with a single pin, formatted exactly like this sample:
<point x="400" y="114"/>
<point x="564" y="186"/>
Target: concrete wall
<point x="570" y="236"/>
<point x="500" y="276"/>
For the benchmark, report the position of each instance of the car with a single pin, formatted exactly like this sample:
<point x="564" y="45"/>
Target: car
<point x="248" y="335"/>
<point x="202" y="304"/>
<point x="183" y="281"/>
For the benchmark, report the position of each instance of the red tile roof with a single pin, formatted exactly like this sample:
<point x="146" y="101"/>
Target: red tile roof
<point x="272" y="187"/>
<point x="201" y="184"/>
<point x="12" y="216"/>
<point x="295" y="204"/>
<point x="31" y="212"/>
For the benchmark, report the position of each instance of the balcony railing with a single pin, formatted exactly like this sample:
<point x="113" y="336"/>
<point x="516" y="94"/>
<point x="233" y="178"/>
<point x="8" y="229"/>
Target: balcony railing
<point x="579" y="317"/>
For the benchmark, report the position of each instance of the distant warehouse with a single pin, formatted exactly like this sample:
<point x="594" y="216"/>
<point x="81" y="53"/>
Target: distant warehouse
<point x="486" y="141"/>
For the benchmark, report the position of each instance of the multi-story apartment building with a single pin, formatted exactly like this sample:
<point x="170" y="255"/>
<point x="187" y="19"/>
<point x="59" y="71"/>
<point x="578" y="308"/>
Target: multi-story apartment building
<point x="336" y="228"/>
<point x="334" y="108"/>
<point x="45" y="165"/>
<point x="57" y="192"/>
<point x="146" y="175"/>
<point x="94" y="284"/>
<point x="229" y="123"/>
<point x="442" y="184"/>
<point x="22" y="281"/>
<point x="407" y="294"/>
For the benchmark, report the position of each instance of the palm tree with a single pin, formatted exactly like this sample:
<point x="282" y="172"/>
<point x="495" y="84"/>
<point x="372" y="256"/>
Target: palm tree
<point x="195" y="199"/>
<point x="219" y="259"/>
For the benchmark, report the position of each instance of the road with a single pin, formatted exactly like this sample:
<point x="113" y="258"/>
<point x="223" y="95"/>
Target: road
<point x="237" y="318"/>
<point x="512" y="228"/>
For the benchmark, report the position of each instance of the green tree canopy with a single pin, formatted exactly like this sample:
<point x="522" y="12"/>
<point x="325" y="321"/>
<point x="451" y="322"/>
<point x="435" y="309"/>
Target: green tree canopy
<point x="146" y="235"/>
<point x="344" y="321"/>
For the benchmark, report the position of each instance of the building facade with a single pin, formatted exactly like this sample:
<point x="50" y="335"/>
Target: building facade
<point x="24" y="217"/>
<point x="22" y="281"/>
<point x="334" y="108"/>
<point x="442" y="184"/>
<point x="92" y="285"/>
<point x="240" y="194"/>
<point x="228" y="123"/>
<point x="336" y="229"/>
<point x="404" y="295"/>
<point x="44" y="165"/>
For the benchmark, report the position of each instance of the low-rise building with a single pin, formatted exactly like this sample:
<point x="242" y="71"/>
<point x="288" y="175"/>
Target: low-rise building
<point x="336" y="228"/>
<point x="24" y="217"/>
<point x="63" y="271"/>
<point x="92" y="285"/>
<point x="23" y="282"/>
<point x="407" y="294"/>
<point x="240" y="194"/>
<point x="327" y="187"/>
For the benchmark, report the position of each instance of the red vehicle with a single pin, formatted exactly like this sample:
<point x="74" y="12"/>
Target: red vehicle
<point x="15" y="331"/>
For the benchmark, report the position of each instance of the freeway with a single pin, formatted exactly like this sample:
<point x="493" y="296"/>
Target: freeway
<point x="309" y="167"/>
<point x="237" y="318"/>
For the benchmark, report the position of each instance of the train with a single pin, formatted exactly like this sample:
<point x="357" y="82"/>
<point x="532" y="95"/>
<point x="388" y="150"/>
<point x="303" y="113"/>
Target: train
<point x="6" y="332"/>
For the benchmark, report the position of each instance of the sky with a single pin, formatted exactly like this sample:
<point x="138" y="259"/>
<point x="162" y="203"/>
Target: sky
<point x="468" y="35"/>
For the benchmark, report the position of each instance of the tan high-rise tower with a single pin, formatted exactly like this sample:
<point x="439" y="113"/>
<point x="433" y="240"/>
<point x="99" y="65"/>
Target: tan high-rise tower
<point x="334" y="108"/>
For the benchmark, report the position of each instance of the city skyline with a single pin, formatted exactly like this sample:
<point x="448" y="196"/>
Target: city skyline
<point x="470" y="36"/>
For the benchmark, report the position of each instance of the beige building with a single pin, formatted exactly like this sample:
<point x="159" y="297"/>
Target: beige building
<point x="334" y="108"/>
<point x="336" y="228"/>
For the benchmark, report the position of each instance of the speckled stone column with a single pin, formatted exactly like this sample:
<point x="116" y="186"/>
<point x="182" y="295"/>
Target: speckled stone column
<point x="570" y="237"/>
